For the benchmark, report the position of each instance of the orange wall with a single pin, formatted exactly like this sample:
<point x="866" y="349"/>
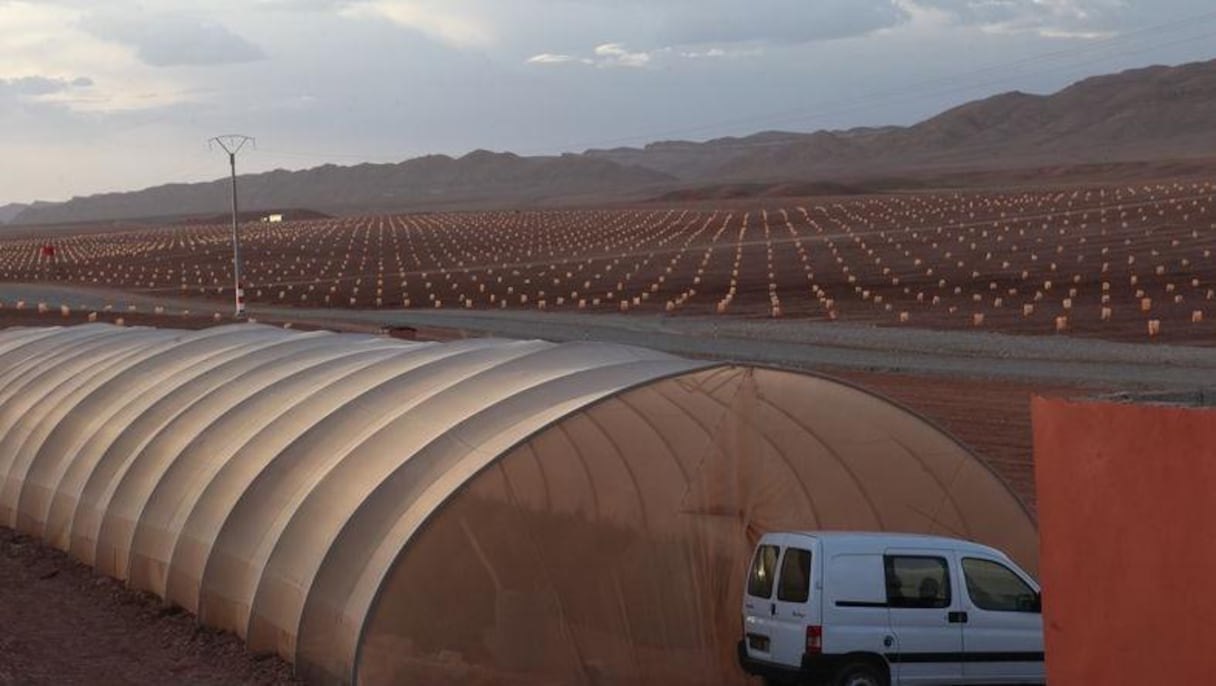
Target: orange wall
<point x="1127" y="522"/>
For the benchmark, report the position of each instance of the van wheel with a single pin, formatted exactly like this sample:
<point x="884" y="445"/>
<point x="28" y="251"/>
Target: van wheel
<point x="859" y="674"/>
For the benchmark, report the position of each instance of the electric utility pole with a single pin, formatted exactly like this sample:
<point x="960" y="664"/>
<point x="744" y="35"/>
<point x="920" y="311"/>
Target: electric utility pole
<point x="232" y="143"/>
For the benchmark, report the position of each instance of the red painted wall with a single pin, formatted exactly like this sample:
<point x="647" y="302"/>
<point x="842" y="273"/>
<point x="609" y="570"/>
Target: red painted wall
<point x="1127" y="522"/>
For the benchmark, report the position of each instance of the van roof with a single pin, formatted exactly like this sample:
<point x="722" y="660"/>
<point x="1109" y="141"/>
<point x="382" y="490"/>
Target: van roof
<point x="897" y="539"/>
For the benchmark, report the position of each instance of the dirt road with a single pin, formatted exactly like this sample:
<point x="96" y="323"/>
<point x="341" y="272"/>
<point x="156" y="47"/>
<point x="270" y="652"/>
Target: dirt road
<point x="798" y="344"/>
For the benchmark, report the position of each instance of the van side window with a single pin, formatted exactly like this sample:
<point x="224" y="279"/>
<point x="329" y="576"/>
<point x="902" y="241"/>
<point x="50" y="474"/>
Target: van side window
<point x="795" y="586"/>
<point x="764" y="568"/>
<point x="993" y="586"/>
<point x="917" y="581"/>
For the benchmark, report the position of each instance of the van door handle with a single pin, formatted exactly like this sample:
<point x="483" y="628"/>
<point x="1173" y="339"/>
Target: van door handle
<point x="772" y="609"/>
<point x="957" y="617"/>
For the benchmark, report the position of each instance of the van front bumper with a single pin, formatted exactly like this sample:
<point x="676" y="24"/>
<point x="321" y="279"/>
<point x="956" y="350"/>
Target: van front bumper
<point x="814" y="669"/>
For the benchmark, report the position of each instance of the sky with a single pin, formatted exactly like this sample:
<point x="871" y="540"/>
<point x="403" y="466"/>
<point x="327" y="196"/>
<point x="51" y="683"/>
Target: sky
<point x="110" y="95"/>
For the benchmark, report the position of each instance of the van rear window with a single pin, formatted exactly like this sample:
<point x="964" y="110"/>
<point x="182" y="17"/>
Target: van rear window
<point x="795" y="584"/>
<point x="764" y="568"/>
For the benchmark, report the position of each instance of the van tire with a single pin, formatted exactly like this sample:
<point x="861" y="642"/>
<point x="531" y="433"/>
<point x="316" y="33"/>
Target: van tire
<point x="860" y="674"/>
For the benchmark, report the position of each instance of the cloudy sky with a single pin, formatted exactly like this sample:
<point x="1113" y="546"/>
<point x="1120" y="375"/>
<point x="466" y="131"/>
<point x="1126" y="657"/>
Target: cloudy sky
<point x="121" y="94"/>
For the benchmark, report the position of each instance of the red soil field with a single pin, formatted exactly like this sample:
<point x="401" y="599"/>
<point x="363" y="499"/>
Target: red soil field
<point x="1099" y="261"/>
<point x="992" y="418"/>
<point x="62" y="624"/>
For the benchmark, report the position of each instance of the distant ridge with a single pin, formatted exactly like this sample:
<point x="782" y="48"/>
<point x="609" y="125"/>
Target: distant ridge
<point x="11" y="211"/>
<point x="1142" y="115"/>
<point x="432" y="181"/>
<point x="1155" y="113"/>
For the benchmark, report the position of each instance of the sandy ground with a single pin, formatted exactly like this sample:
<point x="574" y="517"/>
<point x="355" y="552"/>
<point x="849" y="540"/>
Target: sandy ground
<point x="62" y="624"/>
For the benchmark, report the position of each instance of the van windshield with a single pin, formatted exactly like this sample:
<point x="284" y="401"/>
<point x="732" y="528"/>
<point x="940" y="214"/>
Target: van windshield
<point x="764" y="568"/>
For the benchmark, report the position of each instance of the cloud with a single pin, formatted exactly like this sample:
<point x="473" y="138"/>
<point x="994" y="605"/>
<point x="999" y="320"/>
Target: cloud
<point x="604" y="56"/>
<point x="721" y="53"/>
<point x="169" y="40"/>
<point x="39" y="95"/>
<point x="430" y="17"/>
<point x="615" y="55"/>
<point x="1047" y="32"/>
<point x="489" y="23"/>
<point x="46" y="49"/>
<point x="696" y="22"/>
<point x="36" y="86"/>
<point x="456" y="23"/>
<point x="1066" y="19"/>
<point x="702" y="54"/>
<point x="712" y="29"/>
<point x="550" y="58"/>
<point x="308" y="5"/>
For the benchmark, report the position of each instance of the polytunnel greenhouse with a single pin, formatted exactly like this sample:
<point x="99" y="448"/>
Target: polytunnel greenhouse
<point x="491" y="511"/>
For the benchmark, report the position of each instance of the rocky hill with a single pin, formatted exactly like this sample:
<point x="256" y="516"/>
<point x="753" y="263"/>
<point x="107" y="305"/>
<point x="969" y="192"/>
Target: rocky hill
<point x="435" y="181"/>
<point x="11" y="211"/>
<point x="1153" y="114"/>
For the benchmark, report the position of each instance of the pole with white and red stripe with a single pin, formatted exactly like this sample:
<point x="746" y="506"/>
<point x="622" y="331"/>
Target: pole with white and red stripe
<point x="232" y="144"/>
<point x="236" y="244"/>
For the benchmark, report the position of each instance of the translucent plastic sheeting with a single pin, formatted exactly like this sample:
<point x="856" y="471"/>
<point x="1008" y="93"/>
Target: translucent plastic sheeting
<point x="39" y="458"/>
<point x="484" y="510"/>
<point x="611" y="547"/>
<point x="221" y="468"/>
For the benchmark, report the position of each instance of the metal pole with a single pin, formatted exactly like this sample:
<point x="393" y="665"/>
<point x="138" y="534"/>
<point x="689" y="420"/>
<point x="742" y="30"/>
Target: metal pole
<point x="232" y="143"/>
<point x="236" y="244"/>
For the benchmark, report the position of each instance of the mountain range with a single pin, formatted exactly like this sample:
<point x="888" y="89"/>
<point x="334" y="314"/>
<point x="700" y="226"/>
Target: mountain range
<point x="1151" y="114"/>
<point x="11" y="211"/>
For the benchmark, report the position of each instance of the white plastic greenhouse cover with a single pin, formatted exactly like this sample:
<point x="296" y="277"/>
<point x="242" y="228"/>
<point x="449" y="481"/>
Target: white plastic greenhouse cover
<point x="378" y="511"/>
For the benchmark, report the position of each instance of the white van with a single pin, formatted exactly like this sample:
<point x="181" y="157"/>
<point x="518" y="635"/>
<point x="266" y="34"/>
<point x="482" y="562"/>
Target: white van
<point x="872" y="609"/>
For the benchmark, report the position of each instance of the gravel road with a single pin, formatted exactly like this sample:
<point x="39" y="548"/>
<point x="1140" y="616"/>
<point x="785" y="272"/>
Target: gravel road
<point x="793" y="343"/>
